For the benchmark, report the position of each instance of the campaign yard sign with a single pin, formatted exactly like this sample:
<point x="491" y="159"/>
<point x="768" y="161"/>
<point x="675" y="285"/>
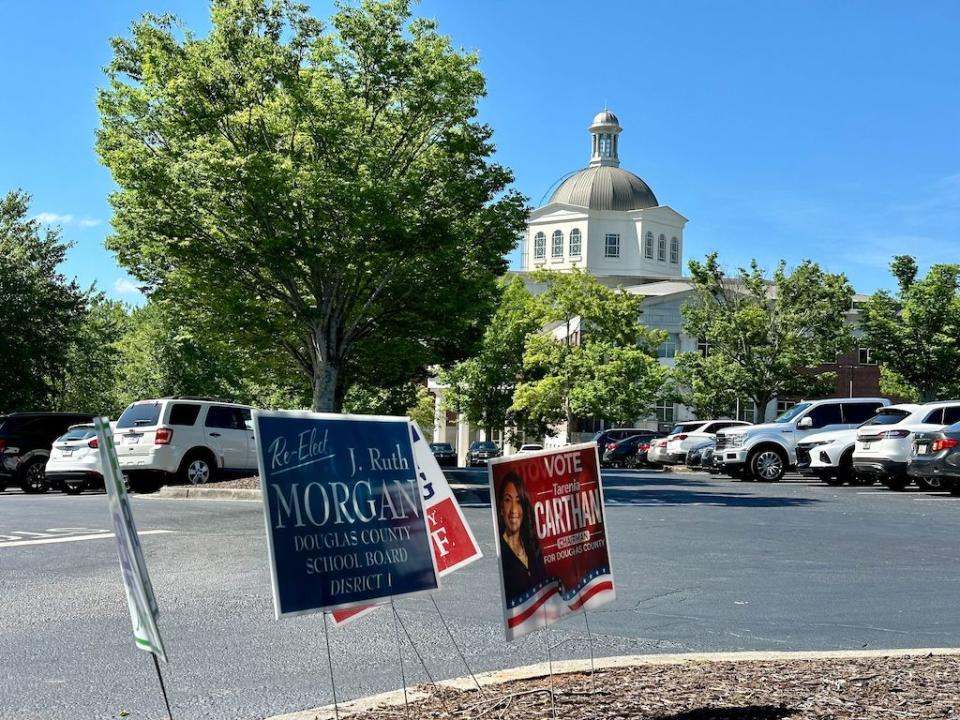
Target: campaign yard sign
<point x="551" y="536"/>
<point x="136" y="580"/>
<point x="345" y="520"/>
<point x="454" y="545"/>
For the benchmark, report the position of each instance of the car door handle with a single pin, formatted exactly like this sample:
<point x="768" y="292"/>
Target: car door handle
<point x="214" y="434"/>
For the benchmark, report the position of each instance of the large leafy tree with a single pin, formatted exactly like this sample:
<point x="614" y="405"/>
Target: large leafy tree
<point x="773" y="332"/>
<point x="40" y="310"/>
<point x="327" y="191"/>
<point x="915" y="333"/>
<point x="706" y="383"/>
<point x="482" y="386"/>
<point x="594" y="357"/>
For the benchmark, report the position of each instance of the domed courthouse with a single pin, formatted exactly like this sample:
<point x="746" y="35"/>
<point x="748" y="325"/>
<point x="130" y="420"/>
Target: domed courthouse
<point x="606" y="220"/>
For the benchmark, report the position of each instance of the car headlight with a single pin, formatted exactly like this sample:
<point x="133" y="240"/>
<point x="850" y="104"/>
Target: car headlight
<point x="737" y="440"/>
<point x="818" y="443"/>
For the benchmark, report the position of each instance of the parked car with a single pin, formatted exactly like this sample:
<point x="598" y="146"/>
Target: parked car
<point x="480" y="451"/>
<point x="687" y="435"/>
<point x="444" y="454"/>
<point x="624" y="453"/>
<point x="184" y="438"/>
<point x="885" y="455"/>
<point x="829" y="456"/>
<point x="695" y="454"/>
<point x="74" y="463"/>
<point x="765" y="452"/>
<point x="936" y="456"/>
<point x="25" y="442"/>
<point x="529" y="448"/>
<point x="605" y="437"/>
<point x="706" y="457"/>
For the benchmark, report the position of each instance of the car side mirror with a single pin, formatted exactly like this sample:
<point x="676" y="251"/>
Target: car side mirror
<point x="805" y="423"/>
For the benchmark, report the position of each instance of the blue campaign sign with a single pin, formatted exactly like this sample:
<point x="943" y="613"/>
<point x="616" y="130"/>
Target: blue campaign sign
<point x="343" y="508"/>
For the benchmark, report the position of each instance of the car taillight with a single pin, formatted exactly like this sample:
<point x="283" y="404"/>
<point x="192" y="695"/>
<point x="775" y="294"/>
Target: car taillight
<point x="93" y="444"/>
<point x="163" y="436"/>
<point x="3" y="444"/>
<point x="680" y="437"/>
<point x="889" y="434"/>
<point x="944" y="444"/>
<point x="645" y="446"/>
<point x="612" y="446"/>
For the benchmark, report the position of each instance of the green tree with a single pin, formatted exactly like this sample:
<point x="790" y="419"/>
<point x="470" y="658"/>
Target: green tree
<point x="482" y="386"/>
<point x="772" y="331"/>
<point x="594" y="357"/>
<point x="325" y="191"/>
<point x="40" y="310"/>
<point x="915" y="333"/>
<point x="707" y="385"/>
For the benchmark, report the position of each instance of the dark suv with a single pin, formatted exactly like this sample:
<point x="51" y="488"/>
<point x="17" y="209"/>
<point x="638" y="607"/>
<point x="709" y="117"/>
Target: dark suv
<point x="481" y="451"/>
<point x="25" y="442"/>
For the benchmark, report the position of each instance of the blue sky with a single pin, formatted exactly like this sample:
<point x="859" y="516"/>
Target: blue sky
<point x="781" y="130"/>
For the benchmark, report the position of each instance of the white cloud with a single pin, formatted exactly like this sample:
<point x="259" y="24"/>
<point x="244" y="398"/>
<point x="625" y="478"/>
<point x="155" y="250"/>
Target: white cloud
<point x="51" y="218"/>
<point x="125" y="287"/>
<point x="88" y="223"/>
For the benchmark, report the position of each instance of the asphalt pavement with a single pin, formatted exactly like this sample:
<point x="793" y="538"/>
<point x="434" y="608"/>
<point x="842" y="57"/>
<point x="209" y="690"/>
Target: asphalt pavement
<point x="701" y="564"/>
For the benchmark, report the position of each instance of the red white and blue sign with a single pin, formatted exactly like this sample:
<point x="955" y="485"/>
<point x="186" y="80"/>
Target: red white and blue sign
<point x="345" y="520"/>
<point x="551" y="528"/>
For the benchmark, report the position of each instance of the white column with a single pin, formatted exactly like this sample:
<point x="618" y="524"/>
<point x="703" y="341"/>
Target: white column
<point x="439" y="417"/>
<point x="463" y="440"/>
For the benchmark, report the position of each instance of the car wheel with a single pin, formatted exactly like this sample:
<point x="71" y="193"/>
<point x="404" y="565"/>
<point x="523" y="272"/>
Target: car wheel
<point x="929" y="484"/>
<point x="896" y="483"/>
<point x="3" y="485"/>
<point x="71" y="489"/>
<point x="35" y="477"/>
<point x="197" y="469"/>
<point x="768" y="465"/>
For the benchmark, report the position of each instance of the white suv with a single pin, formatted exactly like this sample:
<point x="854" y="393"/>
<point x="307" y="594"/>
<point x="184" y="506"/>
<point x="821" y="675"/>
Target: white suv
<point x="685" y="436"/>
<point x="829" y="455"/>
<point x="192" y="439"/>
<point x="765" y="452"/>
<point x="885" y="455"/>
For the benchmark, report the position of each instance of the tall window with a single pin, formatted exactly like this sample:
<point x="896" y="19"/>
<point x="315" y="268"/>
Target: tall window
<point x="668" y="348"/>
<point x="556" y="250"/>
<point x="575" y="243"/>
<point x="664" y="411"/>
<point x="747" y="410"/>
<point x="611" y="245"/>
<point x="662" y="248"/>
<point x="539" y="246"/>
<point x="648" y="246"/>
<point x="674" y="251"/>
<point x="866" y="357"/>
<point x="784" y="405"/>
<point x="703" y="347"/>
<point x="606" y="145"/>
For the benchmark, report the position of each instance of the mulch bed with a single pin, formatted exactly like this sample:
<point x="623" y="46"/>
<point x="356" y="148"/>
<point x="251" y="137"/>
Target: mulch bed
<point x="247" y="483"/>
<point x="861" y="689"/>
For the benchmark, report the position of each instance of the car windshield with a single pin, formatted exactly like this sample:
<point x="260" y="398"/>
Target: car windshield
<point x="140" y="415"/>
<point x="685" y="427"/>
<point x="792" y="412"/>
<point x="441" y="447"/>
<point x="77" y="433"/>
<point x="886" y="417"/>
<point x="485" y="446"/>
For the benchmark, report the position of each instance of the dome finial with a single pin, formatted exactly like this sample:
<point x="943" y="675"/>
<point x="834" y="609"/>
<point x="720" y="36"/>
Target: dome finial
<point x="604" y="137"/>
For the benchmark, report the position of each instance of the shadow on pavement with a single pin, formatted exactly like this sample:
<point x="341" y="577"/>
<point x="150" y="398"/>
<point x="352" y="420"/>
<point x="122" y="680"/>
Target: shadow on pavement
<point x="753" y="712"/>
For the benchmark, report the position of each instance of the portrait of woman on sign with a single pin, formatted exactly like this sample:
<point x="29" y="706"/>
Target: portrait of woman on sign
<point x="520" y="553"/>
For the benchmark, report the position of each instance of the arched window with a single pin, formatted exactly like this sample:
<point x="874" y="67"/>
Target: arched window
<point x="662" y="248"/>
<point x="539" y="246"/>
<point x="648" y="246"/>
<point x="556" y="251"/>
<point x="674" y="251"/>
<point x="575" y="242"/>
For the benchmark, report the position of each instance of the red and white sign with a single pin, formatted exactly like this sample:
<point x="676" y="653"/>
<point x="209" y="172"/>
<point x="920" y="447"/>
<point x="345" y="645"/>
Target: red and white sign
<point x="454" y="545"/>
<point x="551" y="536"/>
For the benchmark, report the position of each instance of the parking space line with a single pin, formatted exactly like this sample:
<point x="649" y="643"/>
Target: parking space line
<point x="73" y="538"/>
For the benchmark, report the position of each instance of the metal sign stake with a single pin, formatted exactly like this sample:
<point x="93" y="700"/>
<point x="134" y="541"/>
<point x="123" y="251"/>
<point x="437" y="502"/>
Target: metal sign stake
<point x="333" y="682"/>
<point x="403" y="677"/>
<point x="546" y="639"/>
<point x="456" y="646"/>
<point x="590" y="645"/>
<point x="163" y="689"/>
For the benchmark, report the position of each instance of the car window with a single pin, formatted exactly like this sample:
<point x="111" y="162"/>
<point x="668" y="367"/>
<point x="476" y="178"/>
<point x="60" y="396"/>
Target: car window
<point x="228" y="418"/>
<point x="856" y="413"/>
<point x="828" y="414"/>
<point x="951" y="414"/>
<point x="140" y="415"/>
<point x="441" y="447"/>
<point x="77" y="433"/>
<point x="935" y="417"/>
<point x="792" y="412"/>
<point x="184" y="414"/>
<point x="886" y="417"/>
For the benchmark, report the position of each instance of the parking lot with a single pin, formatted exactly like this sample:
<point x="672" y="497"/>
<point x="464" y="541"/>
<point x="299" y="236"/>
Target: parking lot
<point x="701" y="564"/>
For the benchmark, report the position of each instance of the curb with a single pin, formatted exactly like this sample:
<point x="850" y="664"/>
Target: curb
<point x="528" y="672"/>
<point x="203" y="493"/>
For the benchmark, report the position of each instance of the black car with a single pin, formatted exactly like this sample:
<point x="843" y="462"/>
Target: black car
<point x="444" y="453"/>
<point x="605" y="437"/>
<point x="25" y="442"/>
<point x="936" y="456"/>
<point x="629" y="452"/>
<point x="481" y="451"/>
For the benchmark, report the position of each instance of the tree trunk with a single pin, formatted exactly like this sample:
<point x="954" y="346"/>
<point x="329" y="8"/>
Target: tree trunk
<point x="325" y="387"/>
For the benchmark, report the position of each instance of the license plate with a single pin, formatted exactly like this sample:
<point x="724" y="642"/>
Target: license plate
<point x="922" y="449"/>
<point x="132" y="439"/>
<point x="66" y="453"/>
<point x="866" y="446"/>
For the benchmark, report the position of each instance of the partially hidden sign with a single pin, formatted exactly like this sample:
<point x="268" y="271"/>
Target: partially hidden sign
<point x="345" y="519"/>
<point x="136" y="580"/>
<point x="454" y="545"/>
<point x="551" y="536"/>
